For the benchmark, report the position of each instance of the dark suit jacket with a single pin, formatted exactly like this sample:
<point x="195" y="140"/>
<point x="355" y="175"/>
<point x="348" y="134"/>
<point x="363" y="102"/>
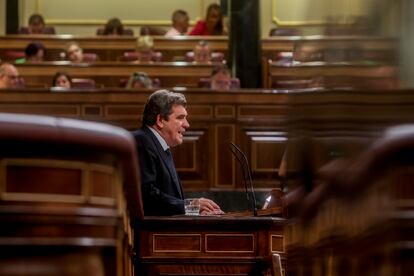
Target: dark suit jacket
<point x="161" y="194"/>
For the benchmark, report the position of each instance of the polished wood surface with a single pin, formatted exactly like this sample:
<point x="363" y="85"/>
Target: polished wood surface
<point x="185" y="245"/>
<point x="110" y="74"/>
<point x="359" y="75"/>
<point x="111" y="48"/>
<point x="253" y="119"/>
<point x="357" y="220"/>
<point x="271" y="46"/>
<point x="69" y="192"/>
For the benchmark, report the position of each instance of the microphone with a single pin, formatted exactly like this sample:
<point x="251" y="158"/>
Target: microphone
<point x="247" y="174"/>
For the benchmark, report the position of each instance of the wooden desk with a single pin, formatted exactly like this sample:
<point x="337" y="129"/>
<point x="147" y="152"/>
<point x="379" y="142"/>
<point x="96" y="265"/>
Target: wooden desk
<point x="111" y="48"/>
<point x="109" y="74"/>
<point x="206" y="245"/>
<point x="272" y="45"/>
<point x="341" y="74"/>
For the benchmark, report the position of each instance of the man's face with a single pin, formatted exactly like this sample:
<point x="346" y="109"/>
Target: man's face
<point x="10" y="78"/>
<point x="173" y="130"/>
<point x="75" y="53"/>
<point x="182" y="24"/>
<point x="36" y="28"/>
<point x="221" y="81"/>
<point x="62" y="81"/>
<point x="202" y="54"/>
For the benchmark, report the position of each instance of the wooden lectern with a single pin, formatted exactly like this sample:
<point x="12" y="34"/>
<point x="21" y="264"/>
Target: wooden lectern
<point x="209" y="245"/>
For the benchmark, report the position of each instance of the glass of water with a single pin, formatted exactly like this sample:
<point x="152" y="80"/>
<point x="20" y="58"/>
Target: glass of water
<point x="192" y="206"/>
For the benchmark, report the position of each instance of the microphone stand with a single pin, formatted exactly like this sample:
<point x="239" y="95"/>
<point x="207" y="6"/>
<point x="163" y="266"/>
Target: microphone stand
<point x="247" y="175"/>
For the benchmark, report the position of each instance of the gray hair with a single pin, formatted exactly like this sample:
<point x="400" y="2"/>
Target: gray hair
<point x="160" y="102"/>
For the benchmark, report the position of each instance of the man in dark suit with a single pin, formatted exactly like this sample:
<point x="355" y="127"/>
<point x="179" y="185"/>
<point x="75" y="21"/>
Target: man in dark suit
<point x="163" y="125"/>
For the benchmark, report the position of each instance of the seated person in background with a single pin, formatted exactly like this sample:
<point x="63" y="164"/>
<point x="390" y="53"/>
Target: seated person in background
<point x="202" y="52"/>
<point x="34" y="52"/>
<point x="62" y="79"/>
<point x="36" y="26"/>
<point x="74" y="52"/>
<point x="303" y="52"/>
<point x="9" y="76"/>
<point x="114" y="27"/>
<point x="180" y="22"/>
<point x="220" y="78"/>
<point x="144" y="48"/>
<point x="139" y="80"/>
<point x="213" y="23"/>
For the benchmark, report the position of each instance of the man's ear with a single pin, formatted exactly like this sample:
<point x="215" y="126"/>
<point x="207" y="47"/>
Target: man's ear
<point x="159" y="122"/>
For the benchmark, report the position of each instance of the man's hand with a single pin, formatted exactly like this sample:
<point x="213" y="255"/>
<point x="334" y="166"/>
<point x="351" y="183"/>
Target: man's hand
<point x="209" y="207"/>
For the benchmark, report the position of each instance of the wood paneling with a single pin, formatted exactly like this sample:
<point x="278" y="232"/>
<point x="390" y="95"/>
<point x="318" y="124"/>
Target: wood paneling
<point x="230" y="243"/>
<point x="224" y="161"/>
<point x="204" y="161"/>
<point x="206" y="245"/>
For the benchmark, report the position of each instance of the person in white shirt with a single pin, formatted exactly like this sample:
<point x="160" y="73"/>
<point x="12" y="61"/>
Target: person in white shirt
<point x="180" y="23"/>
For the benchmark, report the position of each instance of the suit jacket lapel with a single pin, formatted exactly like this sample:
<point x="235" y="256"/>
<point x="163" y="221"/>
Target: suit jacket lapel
<point x="164" y="157"/>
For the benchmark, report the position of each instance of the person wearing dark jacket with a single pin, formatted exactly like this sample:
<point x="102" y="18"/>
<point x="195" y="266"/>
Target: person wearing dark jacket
<point x="163" y="126"/>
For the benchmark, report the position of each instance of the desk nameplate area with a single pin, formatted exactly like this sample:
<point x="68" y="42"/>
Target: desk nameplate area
<point x="207" y="245"/>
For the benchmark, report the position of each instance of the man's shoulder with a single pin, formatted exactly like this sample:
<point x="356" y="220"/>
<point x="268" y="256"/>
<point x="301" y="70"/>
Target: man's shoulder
<point x="141" y="133"/>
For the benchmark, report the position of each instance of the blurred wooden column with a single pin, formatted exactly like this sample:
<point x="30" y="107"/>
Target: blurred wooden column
<point x="12" y="16"/>
<point x="244" y="40"/>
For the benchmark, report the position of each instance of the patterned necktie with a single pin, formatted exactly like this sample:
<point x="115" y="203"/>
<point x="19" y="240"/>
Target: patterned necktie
<point x="170" y="162"/>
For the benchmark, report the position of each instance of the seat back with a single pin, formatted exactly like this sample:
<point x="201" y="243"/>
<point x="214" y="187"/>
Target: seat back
<point x="70" y="193"/>
<point x="47" y="30"/>
<point x="156" y="83"/>
<point x="90" y="57"/>
<point x="285" y="32"/>
<point x="83" y="83"/>
<point x="206" y="83"/>
<point x="215" y="57"/>
<point x="133" y="56"/>
<point x="126" y="32"/>
<point x="151" y="30"/>
<point x="13" y="55"/>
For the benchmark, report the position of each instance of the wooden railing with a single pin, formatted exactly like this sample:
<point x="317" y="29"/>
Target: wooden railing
<point x="111" y="74"/>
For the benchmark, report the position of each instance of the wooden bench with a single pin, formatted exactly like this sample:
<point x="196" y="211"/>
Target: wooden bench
<point x="110" y="74"/>
<point x="370" y="48"/>
<point x="358" y="75"/>
<point x="111" y="48"/>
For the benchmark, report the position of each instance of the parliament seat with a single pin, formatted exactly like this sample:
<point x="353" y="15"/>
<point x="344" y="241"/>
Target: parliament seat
<point x="133" y="56"/>
<point x="83" y="83"/>
<point x="285" y="32"/>
<point x="70" y="193"/>
<point x="206" y="83"/>
<point x="126" y="32"/>
<point x="151" y="30"/>
<point x="90" y="57"/>
<point x="49" y="30"/>
<point x="13" y="55"/>
<point x="215" y="57"/>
